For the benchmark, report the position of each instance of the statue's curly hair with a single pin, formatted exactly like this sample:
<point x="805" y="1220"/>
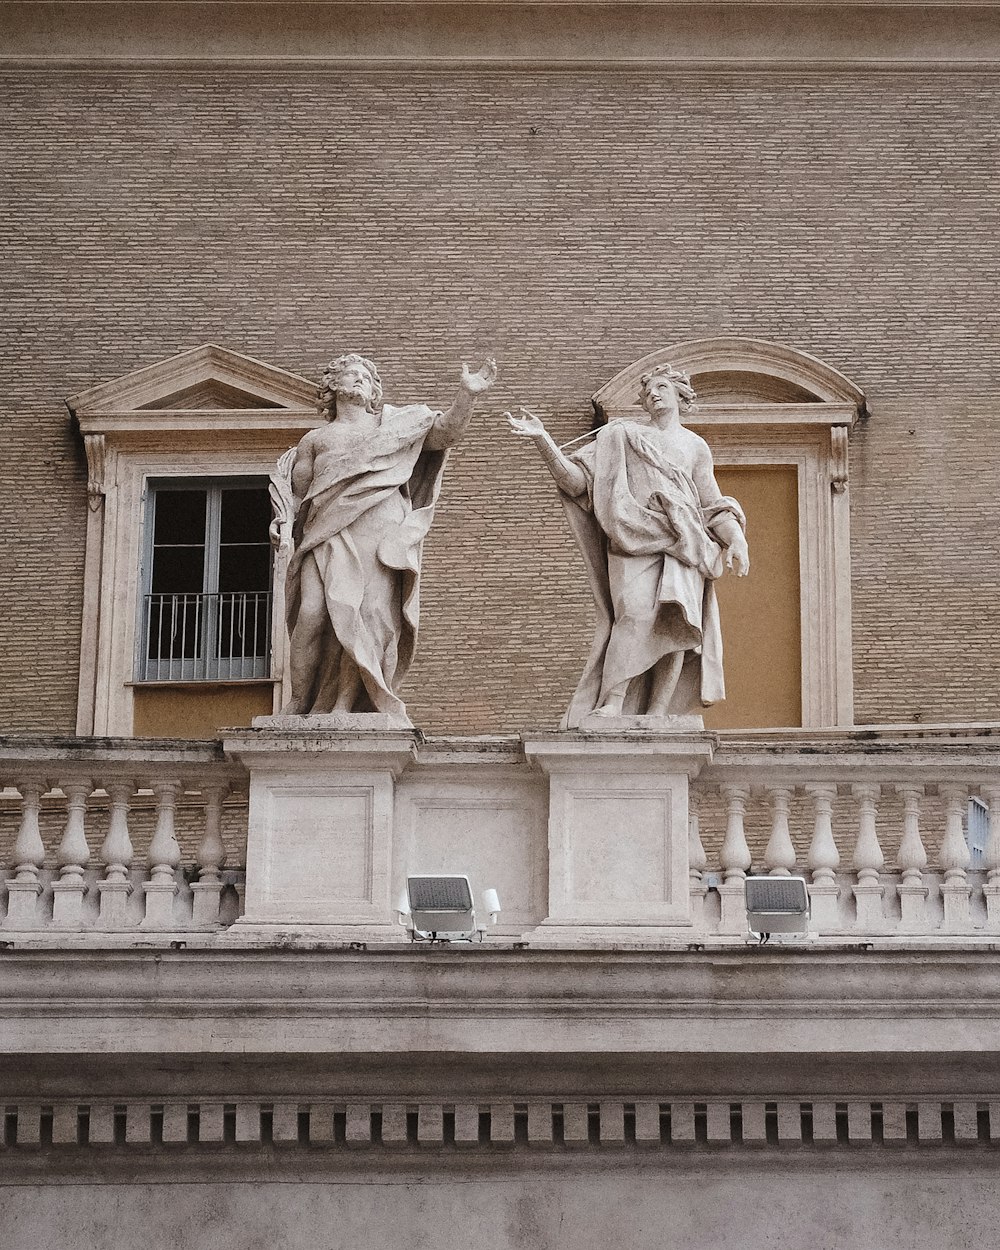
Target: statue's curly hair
<point x="681" y="380"/>
<point x="328" y="387"/>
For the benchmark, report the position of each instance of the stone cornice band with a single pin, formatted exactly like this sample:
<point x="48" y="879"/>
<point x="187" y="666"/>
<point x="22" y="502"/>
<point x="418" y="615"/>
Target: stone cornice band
<point x="437" y="36"/>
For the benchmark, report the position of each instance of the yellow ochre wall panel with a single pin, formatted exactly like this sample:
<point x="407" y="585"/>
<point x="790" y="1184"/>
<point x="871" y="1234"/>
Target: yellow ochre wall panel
<point x="761" y="626"/>
<point x="197" y="711"/>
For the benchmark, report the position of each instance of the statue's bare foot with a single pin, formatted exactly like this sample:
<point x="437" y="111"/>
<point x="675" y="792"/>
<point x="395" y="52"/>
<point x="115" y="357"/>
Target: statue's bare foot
<point x="610" y="708"/>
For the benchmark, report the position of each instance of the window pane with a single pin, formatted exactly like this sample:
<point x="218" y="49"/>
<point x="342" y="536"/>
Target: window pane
<point x="246" y="515"/>
<point x="207" y="601"/>
<point x="180" y="517"/>
<point x="245" y="568"/>
<point x="177" y="569"/>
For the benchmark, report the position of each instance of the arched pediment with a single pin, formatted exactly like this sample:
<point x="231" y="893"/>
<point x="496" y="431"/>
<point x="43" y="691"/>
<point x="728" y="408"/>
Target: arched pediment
<point x="767" y="407"/>
<point x="733" y="372"/>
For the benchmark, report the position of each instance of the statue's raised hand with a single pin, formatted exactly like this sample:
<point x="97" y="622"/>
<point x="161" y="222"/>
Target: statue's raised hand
<point x="481" y="380"/>
<point x="527" y="424"/>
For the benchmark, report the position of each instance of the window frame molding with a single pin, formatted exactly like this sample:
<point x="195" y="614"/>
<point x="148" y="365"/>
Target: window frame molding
<point x="128" y="443"/>
<point x="810" y="432"/>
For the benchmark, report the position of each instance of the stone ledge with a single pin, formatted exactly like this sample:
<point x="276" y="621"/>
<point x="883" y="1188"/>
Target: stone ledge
<point x="915" y="1003"/>
<point x="629" y="34"/>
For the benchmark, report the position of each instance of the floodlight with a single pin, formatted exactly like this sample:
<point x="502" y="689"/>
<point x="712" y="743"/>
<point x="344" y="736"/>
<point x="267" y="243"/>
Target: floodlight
<point x="440" y="908"/>
<point x="776" y="905"/>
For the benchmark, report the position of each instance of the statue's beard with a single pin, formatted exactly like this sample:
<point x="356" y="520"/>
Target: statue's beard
<point x="357" y="397"/>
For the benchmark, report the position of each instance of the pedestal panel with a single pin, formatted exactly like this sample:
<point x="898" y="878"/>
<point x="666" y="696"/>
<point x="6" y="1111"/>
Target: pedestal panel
<point x="618" y="833"/>
<point x="320" y="833"/>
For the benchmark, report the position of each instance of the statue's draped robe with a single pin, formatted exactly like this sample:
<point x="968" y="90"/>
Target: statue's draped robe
<point x="652" y="559"/>
<point x="363" y="522"/>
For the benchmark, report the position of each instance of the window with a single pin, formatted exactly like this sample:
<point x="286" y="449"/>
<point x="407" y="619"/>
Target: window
<point x="183" y="621"/>
<point x="205" y="610"/>
<point x="778" y="422"/>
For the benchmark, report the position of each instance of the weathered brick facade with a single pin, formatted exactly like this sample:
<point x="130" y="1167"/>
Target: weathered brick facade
<point x="568" y="222"/>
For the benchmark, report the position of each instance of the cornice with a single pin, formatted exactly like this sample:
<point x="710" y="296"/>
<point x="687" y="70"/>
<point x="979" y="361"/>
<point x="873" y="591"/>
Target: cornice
<point x="550" y="34"/>
<point x="860" y="1001"/>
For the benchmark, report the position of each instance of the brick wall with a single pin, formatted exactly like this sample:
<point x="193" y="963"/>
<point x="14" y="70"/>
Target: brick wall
<point x="568" y="222"/>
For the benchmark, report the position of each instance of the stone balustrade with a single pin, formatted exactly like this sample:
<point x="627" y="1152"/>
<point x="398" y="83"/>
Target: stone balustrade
<point x="876" y="823"/>
<point x="120" y="837"/>
<point x="145" y="840"/>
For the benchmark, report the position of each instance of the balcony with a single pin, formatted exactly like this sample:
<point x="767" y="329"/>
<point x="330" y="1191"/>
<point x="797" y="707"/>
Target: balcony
<point x="138" y="842"/>
<point x="148" y="1027"/>
<point x="224" y="636"/>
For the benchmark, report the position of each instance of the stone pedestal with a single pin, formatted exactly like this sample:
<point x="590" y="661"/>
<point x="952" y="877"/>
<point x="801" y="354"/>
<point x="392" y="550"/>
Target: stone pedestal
<point x="319" y="840"/>
<point x="618" y="833"/>
<point x="22" y="902"/>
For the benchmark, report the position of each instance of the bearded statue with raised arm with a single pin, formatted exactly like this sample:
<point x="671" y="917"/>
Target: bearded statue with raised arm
<point x="363" y="490"/>
<point x="656" y="533"/>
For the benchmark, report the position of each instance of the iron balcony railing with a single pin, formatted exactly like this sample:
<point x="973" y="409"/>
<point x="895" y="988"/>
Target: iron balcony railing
<point x="222" y="636"/>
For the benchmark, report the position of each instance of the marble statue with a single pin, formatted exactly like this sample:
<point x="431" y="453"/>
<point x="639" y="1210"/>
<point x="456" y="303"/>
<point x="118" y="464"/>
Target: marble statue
<point x="363" y="489"/>
<point x="655" y="533"/>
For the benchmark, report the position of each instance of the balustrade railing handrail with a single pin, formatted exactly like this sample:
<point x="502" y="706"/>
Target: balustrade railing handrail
<point x="38" y="757"/>
<point x="970" y="755"/>
<point x="205" y="635"/>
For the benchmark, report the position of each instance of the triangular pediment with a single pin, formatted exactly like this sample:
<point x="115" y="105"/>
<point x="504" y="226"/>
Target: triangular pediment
<point x="212" y="394"/>
<point x="201" y="379"/>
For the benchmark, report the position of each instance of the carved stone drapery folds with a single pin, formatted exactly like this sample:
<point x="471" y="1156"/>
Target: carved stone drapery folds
<point x="766" y="404"/>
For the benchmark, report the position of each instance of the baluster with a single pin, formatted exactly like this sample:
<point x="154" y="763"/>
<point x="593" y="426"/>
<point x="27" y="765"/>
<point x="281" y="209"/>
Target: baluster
<point x="164" y="856"/>
<point x="779" y="855"/>
<point x="824" y="860"/>
<point x="912" y="889"/>
<point x="868" y="862"/>
<point x="735" y="860"/>
<point x="240" y="886"/>
<point x="29" y="855"/>
<point x="954" y="858"/>
<point x="697" y="861"/>
<point x="991" y="889"/>
<point x="72" y="856"/>
<point x="207" y="890"/>
<point x="116" y="854"/>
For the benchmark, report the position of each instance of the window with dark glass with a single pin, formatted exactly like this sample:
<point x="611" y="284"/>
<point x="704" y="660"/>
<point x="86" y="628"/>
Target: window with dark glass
<point x="206" y="602"/>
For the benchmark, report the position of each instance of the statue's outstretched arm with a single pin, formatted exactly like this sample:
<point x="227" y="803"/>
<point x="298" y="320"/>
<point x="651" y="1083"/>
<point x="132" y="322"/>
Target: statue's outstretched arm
<point x="451" y="425"/>
<point x="569" y="477"/>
